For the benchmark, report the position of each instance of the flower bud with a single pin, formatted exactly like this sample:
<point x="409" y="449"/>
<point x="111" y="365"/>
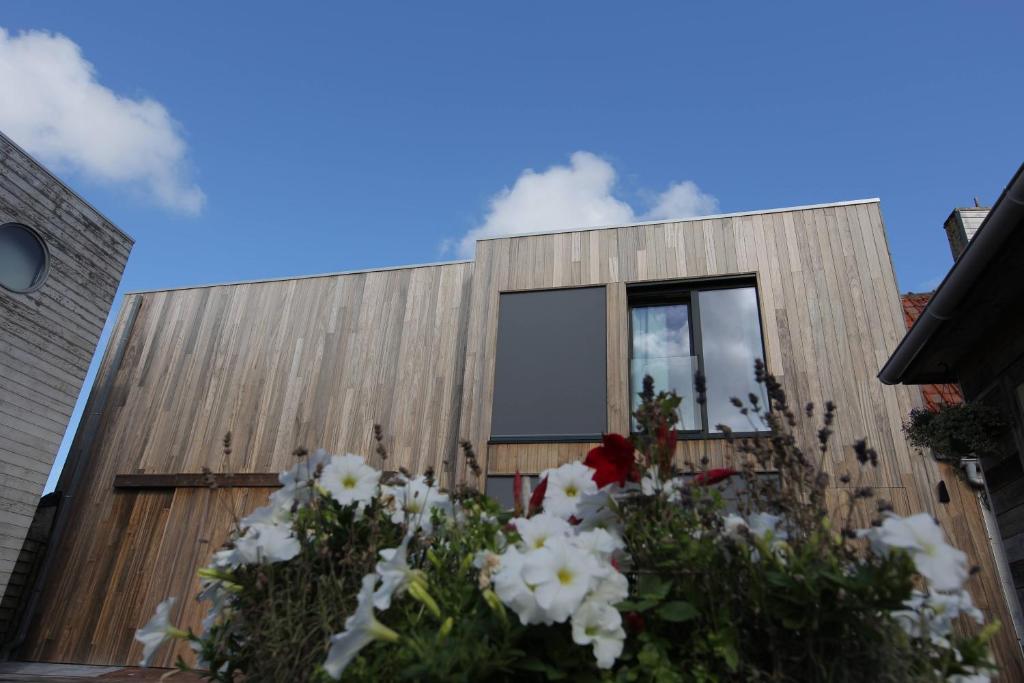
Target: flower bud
<point x="446" y="628"/>
<point x="419" y="592"/>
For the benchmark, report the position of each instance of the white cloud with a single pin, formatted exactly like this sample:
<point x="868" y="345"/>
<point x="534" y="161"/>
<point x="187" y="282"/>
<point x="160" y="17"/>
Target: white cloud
<point x="53" y="105"/>
<point x="681" y="200"/>
<point x="575" y="196"/>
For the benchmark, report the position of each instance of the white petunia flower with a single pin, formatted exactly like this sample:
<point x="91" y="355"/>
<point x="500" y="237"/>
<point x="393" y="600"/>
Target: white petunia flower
<point x="561" y="577"/>
<point x="651" y="484"/>
<point x="265" y="543"/>
<point x="601" y="544"/>
<point x="394" y="572"/>
<point x="538" y="530"/>
<point x="765" y="525"/>
<point x="611" y="589"/>
<point x="514" y="591"/>
<point x="158" y="631"/>
<point x="361" y="629"/>
<point x="600" y="625"/>
<point x="567" y="485"/>
<point x="733" y="525"/>
<point x="349" y="480"/>
<point x="413" y="501"/>
<point x="595" y="512"/>
<point x="944" y="566"/>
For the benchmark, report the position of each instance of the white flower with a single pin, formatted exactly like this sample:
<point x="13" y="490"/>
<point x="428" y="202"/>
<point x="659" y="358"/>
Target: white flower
<point x="394" y="572"/>
<point x="566" y="487"/>
<point x="765" y="525"/>
<point x="361" y="629"/>
<point x="600" y="625"/>
<point x="266" y="543"/>
<point x="538" y="530"/>
<point x="413" y="502"/>
<point x="611" y="589"/>
<point x="651" y="484"/>
<point x="734" y="524"/>
<point x="514" y="591"/>
<point x="944" y="566"/>
<point x="931" y="615"/>
<point x="157" y="631"/>
<point x="595" y="512"/>
<point x="349" y="480"/>
<point x="601" y="544"/>
<point x="560" y="576"/>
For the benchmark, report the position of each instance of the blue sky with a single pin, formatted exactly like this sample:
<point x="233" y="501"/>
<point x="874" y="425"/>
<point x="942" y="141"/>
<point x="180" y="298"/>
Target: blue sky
<point x="329" y="136"/>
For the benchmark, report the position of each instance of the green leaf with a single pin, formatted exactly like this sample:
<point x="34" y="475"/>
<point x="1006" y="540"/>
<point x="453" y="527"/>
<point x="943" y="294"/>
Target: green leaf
<point x="677" y="611"/>
<point x="636" y="605"/>
<point x="653" y="587"/>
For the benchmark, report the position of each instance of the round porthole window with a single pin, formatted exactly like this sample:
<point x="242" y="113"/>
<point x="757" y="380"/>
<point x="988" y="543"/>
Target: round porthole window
<point x="24" y="259"/>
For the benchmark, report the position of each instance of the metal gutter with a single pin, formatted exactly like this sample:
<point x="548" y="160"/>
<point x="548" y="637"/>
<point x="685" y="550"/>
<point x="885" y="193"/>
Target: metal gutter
<point x="1005" y="217"/>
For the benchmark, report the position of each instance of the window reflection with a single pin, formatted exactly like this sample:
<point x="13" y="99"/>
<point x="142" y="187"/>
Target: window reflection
<point x="662" y="349"/>
<point x="731" y="341"/>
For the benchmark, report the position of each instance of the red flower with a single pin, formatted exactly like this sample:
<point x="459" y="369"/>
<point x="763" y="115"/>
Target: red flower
<point x="713" y="476"/>
<point x="635" y="622"/>
<point x="613" y="461"/>
<point x="667" y="439"/>
<point x="537" y="498"/>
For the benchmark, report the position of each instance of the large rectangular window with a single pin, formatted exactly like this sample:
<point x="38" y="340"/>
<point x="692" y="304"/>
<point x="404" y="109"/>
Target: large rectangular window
<point x="550" y="375"/>
<point x="714" y="327"/>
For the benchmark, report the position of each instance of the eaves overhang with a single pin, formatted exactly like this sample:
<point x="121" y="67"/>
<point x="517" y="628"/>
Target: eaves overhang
<point x="946" y="307"/>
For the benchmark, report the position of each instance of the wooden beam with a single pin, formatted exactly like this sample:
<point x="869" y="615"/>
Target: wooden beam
<point x="197" y="480"/>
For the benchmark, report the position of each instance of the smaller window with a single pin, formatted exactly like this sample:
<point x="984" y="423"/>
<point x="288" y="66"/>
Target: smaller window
<point x="500" y="487"/>
<point x="23" y="258"/>
<point x="679" y="328"/>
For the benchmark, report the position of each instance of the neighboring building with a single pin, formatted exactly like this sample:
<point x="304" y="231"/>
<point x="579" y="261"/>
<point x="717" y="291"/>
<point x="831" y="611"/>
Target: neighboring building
<point x="531" y="352"/>
<point x="935" y="396"/>
<point x="961" y="225"/>
<point x="972" y="332"/>
<point x="60" y="265"/>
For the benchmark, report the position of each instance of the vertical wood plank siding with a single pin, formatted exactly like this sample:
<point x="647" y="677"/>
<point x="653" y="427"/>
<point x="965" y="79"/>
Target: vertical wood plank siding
<point x="48" y="336"/>
<point x="312" y="362"/>
<point x="830" y="314"/>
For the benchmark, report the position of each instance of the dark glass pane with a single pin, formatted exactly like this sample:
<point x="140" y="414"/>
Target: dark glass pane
<point x="500" y="487"/>
<point x="730" y="342"/>
<point x="22" y="258"/>
<point x="550" y="377"/>
<point x="661" y="349"/>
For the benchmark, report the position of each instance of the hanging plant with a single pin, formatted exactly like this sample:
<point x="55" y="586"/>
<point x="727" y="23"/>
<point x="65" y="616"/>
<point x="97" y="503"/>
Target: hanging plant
<point x="956" y="431"/>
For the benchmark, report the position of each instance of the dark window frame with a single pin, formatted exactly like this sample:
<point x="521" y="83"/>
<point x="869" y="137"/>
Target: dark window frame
<point x="44" y="270"/>
<point x="669" y="292"/>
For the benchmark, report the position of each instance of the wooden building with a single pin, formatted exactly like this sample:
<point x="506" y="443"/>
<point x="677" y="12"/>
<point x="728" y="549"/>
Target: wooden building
<point x="529" y="351"/>
<point x="60" y="265"/>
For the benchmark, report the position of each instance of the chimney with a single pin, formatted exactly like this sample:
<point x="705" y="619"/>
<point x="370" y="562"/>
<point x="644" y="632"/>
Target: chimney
<point x="961" y="226"/>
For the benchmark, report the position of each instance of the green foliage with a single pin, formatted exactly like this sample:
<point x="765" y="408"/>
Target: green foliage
<point x="955" y="431"/>
<point x="804" y="602"/>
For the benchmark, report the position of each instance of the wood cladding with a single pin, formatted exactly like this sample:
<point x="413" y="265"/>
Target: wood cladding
<point x="308" y="362"/>
<point x="48" y="336"/>
<point x="317" y="361"/>
<point x="830" y="315"/>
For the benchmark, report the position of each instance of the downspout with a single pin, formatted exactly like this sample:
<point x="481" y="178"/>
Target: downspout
<point x="87" y="432"/>
<point x="1005" y="217"/>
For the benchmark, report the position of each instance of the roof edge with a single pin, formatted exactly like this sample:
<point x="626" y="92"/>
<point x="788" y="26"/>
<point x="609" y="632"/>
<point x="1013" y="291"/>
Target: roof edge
<point x="67" y="187"/>
<point x="299" y="277"/>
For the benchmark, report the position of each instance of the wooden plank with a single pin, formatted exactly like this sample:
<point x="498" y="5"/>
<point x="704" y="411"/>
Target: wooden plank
<point x="196" y="480"/>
